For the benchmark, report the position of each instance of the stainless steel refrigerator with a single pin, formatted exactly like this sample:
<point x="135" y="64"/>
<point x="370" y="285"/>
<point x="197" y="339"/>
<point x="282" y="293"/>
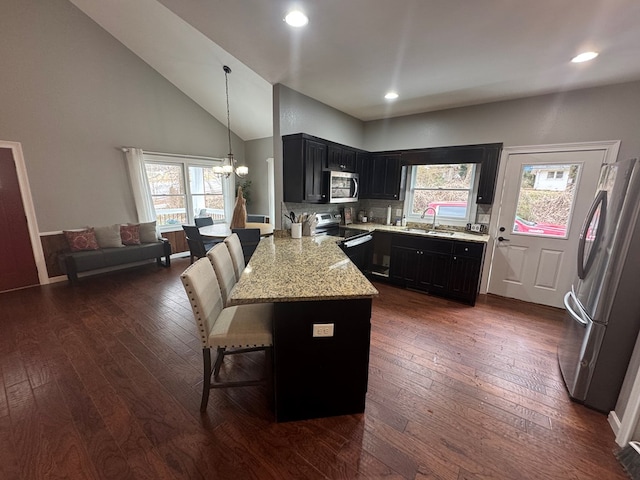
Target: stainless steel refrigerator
<point x="602" y="317"/>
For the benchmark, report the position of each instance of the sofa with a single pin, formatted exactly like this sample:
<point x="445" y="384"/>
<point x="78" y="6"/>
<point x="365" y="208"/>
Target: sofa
<point x="95" y="248"/>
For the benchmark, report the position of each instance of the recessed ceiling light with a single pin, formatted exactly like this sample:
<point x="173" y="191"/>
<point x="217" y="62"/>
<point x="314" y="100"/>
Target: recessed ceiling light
<point x="296" y="18"/>
<point x="391" y="95"/>
<point x="584" y="57"/>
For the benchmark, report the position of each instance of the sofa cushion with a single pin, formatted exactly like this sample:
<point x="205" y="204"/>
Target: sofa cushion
<point x="86" y="260"/>
<point x="109" y="236"/>
<point x="148" y="232"/>
<point x="130" y="234"/>
<point x="80" y="240"/>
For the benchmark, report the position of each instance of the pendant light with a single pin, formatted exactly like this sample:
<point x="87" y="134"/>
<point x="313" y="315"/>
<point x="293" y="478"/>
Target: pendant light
<point x="229" y="164"/>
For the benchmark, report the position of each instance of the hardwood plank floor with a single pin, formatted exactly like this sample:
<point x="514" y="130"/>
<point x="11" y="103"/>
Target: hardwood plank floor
<point x="103" y="381"/>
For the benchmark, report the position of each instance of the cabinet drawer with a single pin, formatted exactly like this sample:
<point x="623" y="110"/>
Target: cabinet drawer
<point x="468" y="249"/>
<point x="437" y="246"/>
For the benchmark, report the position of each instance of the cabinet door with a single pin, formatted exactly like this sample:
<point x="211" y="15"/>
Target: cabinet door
<point x="488" y="175"/>
<point x="404" y="265"/>
<point x="314" y="165"/>
<point x="465" y="278"/>
<point x="341" y="159"/>
<point x="466" y="265"/>
<point x="435" y="270"/>
<point x="385" y="177"/>
<point x="363" y="168"/>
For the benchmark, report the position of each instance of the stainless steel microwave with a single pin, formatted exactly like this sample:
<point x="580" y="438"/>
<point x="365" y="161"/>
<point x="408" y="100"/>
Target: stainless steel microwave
<point x="343" y="187"/>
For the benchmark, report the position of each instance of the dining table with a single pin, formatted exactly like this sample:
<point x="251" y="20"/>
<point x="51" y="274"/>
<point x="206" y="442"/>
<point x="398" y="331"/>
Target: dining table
<point x="223" y="230"/>
<point x="321" y="326"/>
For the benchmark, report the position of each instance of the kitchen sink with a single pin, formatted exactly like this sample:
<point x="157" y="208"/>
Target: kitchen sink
<point x="428" y="232"/>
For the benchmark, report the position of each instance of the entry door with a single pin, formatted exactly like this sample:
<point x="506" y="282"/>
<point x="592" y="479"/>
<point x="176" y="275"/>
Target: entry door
<point x="17" y="264"/>
<point x="546" y="197"/>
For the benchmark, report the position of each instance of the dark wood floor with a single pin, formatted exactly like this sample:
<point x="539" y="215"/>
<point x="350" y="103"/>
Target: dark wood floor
<point x="103" y="381"/>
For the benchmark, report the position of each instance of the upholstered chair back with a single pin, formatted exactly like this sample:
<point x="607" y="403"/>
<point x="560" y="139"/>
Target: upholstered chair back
<point x="203" y="291"/>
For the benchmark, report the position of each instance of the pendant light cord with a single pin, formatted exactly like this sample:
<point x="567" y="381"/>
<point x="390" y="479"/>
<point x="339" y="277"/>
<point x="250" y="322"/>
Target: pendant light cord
<point x="227" y="71"/>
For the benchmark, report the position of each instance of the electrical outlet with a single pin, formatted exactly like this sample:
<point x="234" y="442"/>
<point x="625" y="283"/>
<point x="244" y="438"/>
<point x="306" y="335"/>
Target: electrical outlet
<point x="323" y="329"/>
<point x="476" y="227"/>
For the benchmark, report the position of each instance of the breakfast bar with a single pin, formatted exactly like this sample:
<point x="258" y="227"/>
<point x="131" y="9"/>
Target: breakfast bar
<point x="322" y="324"/>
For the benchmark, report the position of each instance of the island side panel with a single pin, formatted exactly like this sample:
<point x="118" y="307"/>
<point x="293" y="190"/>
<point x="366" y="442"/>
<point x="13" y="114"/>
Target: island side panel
<point x="321" y="376"/>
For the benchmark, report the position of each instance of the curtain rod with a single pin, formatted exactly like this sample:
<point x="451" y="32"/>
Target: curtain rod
<point x="178" y="155"/>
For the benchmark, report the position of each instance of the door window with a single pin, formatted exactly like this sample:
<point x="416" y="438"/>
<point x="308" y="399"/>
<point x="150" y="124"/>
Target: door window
<point x="545" y="200"/>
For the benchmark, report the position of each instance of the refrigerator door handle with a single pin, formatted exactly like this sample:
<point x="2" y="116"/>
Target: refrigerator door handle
<point x="574" y="315"/>
<point x="600" y="202"/>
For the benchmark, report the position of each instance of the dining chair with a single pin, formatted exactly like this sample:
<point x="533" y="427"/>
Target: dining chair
<point x="249" y="239"/>
<point x="220" y="259"/>
<point x="230" y="330"/>
<point x="203" y="221"/>
<point x="198" y="247"/>
<point x="237" y="256"/>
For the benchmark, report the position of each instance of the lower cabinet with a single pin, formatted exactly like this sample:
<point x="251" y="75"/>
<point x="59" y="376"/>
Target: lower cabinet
<point x="449" y="268"/>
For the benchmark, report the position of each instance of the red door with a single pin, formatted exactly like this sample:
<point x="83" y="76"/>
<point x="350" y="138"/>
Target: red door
<point x="17" y="265"/>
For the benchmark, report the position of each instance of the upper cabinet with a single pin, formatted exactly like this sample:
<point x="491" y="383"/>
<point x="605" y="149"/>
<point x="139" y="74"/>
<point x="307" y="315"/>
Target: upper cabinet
<point x="304" y="163"/>
<point x="385" y="176"/>
<point x="488" y="174"/>
<point x="341" y="158"/>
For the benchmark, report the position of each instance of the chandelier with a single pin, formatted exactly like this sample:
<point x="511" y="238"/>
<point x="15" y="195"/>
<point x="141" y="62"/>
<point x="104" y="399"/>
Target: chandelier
<point x="229" y="164"/>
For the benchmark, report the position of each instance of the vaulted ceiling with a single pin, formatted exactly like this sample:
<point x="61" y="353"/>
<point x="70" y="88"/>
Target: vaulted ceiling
<point x="435" y="54"/>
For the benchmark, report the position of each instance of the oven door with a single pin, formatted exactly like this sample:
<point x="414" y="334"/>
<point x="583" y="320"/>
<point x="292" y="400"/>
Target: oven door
<point x="343" y="187"/>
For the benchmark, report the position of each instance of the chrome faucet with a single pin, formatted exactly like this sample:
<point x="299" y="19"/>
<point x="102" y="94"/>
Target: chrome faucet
<point x="433" y="227"/>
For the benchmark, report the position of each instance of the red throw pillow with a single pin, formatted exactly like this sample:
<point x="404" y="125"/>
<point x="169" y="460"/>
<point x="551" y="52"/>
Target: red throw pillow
<point x="81" y="240"/>
<point x="130" y="234"/>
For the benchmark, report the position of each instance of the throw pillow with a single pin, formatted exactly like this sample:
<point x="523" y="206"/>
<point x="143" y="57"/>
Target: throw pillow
<point x="130" y="234"/>
<point x="80" y="240"/>
<point x="109" y="237"/>
<point x="148" y="233"/>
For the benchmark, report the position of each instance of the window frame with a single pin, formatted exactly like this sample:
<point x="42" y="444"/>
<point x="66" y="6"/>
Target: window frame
<point x="441" y="219"/>
<point x="185" y="161"/>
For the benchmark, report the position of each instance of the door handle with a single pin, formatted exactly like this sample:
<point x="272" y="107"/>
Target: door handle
<point x="502" y="239"/>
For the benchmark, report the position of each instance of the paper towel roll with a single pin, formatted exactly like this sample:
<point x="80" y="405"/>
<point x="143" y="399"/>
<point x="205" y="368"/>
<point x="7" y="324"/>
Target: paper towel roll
<point x="389" y="215"/>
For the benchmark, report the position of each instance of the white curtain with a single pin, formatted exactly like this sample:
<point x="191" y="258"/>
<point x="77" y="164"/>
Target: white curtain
<point x="140" y="185"/>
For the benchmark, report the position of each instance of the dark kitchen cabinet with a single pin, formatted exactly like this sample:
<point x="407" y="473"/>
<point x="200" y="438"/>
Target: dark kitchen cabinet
<point x="386" y="174"/>
<point x="420" y="263"/>
<point x="304" y="163"/>
<point x="340" y="158"/>
<point x="363" y="168"/>
<point x="488" y="174"/>
<point x="466" y="266"/>
<point x="449" y="268"/>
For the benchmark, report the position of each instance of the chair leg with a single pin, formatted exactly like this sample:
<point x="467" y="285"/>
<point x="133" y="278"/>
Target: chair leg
<point x="219" y="360"/>
<point x="206" y="384"/>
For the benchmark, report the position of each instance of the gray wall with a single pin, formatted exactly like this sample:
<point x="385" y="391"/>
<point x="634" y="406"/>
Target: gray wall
<point x="257" y="152"/>
<point x="302" y="114"/>
<point x="72" y="94"/>
<point x="606" y="113"/>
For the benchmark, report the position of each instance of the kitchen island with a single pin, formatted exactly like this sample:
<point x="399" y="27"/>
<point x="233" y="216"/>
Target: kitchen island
<point x="322" y="323"/>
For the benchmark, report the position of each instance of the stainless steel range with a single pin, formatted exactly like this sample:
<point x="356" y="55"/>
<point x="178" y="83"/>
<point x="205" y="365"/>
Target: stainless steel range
<point x="328" y="224"/>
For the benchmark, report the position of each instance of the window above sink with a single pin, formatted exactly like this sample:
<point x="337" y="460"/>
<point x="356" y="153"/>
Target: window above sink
<point x="443" y="190"/>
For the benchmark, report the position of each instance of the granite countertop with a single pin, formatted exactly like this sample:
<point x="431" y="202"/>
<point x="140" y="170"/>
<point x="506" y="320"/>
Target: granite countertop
<point x="422" y="231"/>
<point x="308" y="268"/>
